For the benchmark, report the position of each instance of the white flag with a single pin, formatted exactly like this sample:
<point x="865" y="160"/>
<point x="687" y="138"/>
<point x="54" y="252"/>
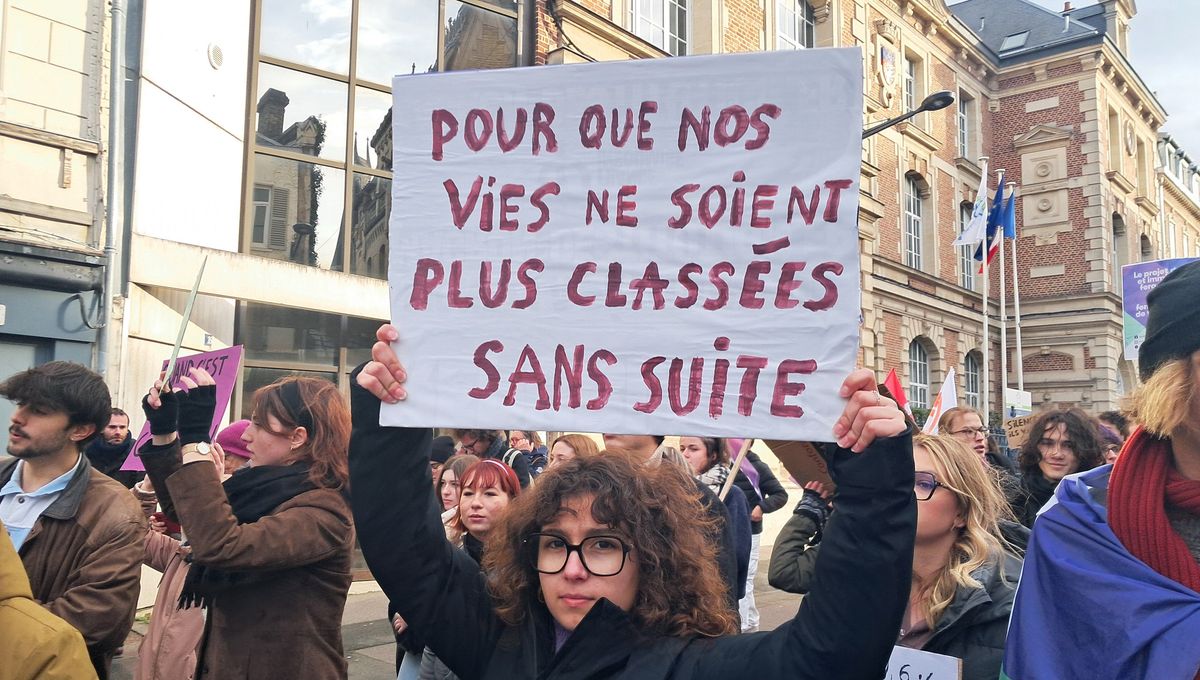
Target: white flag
<point x="976" y="230"/>
<point x="947" y="399"/>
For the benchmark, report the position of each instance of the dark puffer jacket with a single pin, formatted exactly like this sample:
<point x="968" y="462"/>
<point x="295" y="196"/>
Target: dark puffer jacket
<point x="973" y="628"/>
<point x="845" y="629"/>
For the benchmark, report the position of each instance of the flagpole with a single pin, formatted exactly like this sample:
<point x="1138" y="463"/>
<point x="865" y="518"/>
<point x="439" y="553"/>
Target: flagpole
<point x="987" y="377"/>
<point x="1017" y="303"/>
<point x="1003" y="323"/>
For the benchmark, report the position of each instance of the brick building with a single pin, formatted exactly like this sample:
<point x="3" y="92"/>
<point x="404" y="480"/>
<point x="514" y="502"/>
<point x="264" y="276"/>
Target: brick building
<point x="258" y="134"/>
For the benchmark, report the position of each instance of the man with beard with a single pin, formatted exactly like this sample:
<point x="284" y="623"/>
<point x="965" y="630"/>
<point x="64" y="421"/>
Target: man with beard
<point x="80" y="534"/>
<point x="108" y="452"/>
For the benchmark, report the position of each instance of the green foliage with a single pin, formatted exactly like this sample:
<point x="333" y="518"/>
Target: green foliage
<point x="920" y="415"/>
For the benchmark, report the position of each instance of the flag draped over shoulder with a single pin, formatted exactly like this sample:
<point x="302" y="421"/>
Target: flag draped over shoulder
<point x="974" y="232"/>
<point x="1088" y="609"/>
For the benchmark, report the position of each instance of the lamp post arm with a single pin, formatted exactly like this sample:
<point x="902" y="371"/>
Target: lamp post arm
<point x="888" y="123"/>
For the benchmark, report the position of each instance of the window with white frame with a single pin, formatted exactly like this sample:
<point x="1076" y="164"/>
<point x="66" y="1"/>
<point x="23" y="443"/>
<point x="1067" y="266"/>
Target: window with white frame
<point x="912" y="222"/>
<point x="918" y="375"/>
<point x="964" y="125"/>
<point x="971" y="380"/>
<point x="1170" y="249"/>
<point x="966" y="254"/>
<point x="795" y="24"/>
<point x="910" y="84"/>
<point x="661" y="22"/>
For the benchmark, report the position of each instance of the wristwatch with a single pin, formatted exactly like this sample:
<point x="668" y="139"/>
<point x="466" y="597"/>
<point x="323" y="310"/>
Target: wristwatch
<point x="196" y="451"/>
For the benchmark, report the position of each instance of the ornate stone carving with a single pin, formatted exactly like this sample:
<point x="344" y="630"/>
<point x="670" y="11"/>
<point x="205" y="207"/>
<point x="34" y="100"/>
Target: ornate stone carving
<point x="887" y="59"/>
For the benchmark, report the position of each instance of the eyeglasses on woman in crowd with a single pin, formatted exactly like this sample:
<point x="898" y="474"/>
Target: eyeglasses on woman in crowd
<point x="925" y="484"/>
<point x="600" y="555"/>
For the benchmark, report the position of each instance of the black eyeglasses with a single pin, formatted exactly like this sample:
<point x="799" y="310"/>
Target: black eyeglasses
<point x="971" y="432"/>
<point x="925" y="484"/>
<point x="600" y="555"/>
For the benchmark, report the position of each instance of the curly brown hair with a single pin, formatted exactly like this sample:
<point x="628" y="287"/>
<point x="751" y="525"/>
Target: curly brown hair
<point x="1082" y="430"/>
<point x="680" y="592"/>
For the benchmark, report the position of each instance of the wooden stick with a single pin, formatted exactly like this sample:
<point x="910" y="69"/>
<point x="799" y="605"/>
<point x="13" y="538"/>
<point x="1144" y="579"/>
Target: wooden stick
<point x="737" y="464"/>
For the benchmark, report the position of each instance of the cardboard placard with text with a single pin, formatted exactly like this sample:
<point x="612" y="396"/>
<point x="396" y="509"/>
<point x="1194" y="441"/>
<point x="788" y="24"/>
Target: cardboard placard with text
<point x="222" y="365"/>
<point x="648" y="246"/>
<point x="803" y="461"/>
<point x="916" y="664"/>
<point x="1017" y="430"/>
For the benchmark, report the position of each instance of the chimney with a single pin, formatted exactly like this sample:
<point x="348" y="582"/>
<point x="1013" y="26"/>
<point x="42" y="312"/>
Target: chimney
<point x="1066" y="14"/>
<point x="271" y="108"/>
<point x="1066" y="6"/>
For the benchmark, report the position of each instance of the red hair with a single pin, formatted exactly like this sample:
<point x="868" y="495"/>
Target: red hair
<point x="485" y="474"/>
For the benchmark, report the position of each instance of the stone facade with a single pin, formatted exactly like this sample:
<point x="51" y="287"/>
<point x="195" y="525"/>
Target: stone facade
<point x="1073" y="127"/>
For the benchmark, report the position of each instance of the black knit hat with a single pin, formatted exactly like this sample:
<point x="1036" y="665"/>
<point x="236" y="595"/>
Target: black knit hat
<point x="1173" y="329"/>
<point x="443" y="448"/>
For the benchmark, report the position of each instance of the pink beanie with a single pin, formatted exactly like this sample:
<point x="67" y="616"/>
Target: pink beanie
<point x="230" y="439"/>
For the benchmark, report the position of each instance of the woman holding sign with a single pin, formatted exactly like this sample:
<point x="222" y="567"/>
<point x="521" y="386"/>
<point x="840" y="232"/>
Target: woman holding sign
<point x="272" y="546"/>
<point x="605" y="568"/>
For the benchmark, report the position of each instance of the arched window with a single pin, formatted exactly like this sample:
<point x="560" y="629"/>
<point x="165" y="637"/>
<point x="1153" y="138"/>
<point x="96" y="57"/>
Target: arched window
<point x="971" y="380"/>
<point x="918" y="375"/>
<point x="1147" y="248"/>
<point x="795" y="23"/>
<point x="912" y="221"/>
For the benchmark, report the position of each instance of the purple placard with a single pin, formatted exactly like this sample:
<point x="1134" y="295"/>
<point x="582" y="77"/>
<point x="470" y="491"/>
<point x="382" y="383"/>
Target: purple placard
<point x="1137" y="280"/>
<point x="222" y="364"/>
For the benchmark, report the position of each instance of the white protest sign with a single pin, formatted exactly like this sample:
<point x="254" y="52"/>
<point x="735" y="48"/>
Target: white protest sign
<point x="914" y="664"/>
<point x="651" y="246"/>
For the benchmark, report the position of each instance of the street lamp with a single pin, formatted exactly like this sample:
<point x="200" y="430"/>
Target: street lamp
<point x="934" y="102"/>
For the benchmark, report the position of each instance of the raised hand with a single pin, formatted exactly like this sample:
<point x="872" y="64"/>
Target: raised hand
<point x="162" y="410"/>
<point x="197" y="406"/>
<point x="868" y="415"/>
<point x="383" y="376"/>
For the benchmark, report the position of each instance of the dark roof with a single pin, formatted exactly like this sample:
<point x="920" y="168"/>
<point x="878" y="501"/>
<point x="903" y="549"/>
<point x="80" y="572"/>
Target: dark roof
<point x="1092" y="15"/>
<point x="994" y="20"/>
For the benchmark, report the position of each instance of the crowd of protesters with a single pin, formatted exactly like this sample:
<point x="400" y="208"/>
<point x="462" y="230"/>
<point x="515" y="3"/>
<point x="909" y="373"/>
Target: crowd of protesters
<point x="503" y="556"/>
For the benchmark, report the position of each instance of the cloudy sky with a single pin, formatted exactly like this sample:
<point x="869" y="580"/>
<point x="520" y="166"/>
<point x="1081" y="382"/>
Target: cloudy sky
<point x="1162" y="39"/>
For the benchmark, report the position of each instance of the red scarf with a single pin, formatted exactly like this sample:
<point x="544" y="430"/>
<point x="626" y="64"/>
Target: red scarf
<point x="1143" y="482"/>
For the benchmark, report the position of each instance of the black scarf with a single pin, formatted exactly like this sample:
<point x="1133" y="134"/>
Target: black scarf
<point x="1038" y="491"/>
<point x="253" y="493"/>
<point x="108" y="458"/>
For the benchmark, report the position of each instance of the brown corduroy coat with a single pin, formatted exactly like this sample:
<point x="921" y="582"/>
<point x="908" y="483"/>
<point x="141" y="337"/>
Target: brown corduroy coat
<point x="285" y="626"/>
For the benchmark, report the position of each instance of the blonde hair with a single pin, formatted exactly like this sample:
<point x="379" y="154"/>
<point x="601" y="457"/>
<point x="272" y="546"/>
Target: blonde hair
<point x="582" y="445"/>
<point x="982" y="505"/>
<point x="1163" y="404"/>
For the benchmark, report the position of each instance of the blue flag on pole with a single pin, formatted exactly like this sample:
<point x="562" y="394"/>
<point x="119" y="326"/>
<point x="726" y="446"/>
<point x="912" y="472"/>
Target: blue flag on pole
<point x="991" y="241"/>
<point x="1087" y="609"/>
<point x="1009" y="217"/>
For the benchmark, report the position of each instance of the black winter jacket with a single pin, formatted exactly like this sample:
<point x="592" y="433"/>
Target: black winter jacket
<point x="770" y="494"/>
<point x="845" y="629"/>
